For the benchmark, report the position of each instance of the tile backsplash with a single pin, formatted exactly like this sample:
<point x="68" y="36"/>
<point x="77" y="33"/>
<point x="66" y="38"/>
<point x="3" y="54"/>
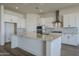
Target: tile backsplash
<point x="65" y="30"/>
<point x="50" y="30"/>
<point x="70" y="30"/>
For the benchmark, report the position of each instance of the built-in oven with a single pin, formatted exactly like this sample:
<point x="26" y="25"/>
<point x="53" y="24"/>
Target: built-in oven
<point x="39" y="29"/>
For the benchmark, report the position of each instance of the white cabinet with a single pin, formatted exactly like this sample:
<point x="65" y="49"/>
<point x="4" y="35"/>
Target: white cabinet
<point x="69" y="20"/>
<point x="78" y="39"/>
<point x="72" y="21"/>
<point x="73" y="40"/>
<point x="66" y="21"/>
<point x="41" y="21"/>
<point x="22" y="22"/>
<point x="69" y="39"/>
<point x="65" y="39"/>
<point x="47" y="21"/>
<point x="31" y="22"/>
<point x="77" y="20"/>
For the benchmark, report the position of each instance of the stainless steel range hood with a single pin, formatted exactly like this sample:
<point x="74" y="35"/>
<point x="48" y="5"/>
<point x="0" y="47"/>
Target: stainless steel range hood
<point x="57" y="23"/>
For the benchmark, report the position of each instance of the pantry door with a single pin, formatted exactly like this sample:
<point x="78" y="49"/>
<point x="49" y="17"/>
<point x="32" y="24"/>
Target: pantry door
<point x="10" y="29"/>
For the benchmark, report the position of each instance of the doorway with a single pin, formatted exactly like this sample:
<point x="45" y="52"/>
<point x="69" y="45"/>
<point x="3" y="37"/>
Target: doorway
<point x="10" y="29"/>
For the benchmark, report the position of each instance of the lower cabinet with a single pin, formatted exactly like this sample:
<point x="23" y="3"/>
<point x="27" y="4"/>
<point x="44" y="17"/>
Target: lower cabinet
<point x="64" y="39"/>
<point x="70" y="39"/>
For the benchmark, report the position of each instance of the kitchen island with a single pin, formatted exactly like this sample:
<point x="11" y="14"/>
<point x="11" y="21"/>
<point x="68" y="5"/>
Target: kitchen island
<point x="38" y="44"/>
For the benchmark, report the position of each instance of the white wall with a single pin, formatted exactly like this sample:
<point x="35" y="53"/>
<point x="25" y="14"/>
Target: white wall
<point x="31" y="22"/>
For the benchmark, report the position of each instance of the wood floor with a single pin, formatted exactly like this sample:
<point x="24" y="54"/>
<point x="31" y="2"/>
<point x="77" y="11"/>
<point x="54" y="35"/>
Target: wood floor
<point x="3" y="52"/>
<point x="7" y="51"/>
<point x="66" y="50"/>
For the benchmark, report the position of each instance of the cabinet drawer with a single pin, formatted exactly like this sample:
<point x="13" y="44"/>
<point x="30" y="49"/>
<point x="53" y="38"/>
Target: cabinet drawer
<point x="73" y="40"/>
<point x="64" y="39"/>
<point x="69" y="39"/>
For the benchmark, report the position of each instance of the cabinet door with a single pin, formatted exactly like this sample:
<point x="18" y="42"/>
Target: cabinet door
<point x="64" y="39"/>
<point x="39" y="21"/>
<point x="73" y="40"/>
<point x="22" y="23"/>
<point x="69" y="39"/>
<point x="42" y="20"/>
<point x="69" y="20"/>
<point x="31" y="23"/>
<point x="77" y="20"/>
<point x="47" y="21"/>
<point x="72" y="20"/>
<point x="77" y="39"/>
<point x="66" y="21"/>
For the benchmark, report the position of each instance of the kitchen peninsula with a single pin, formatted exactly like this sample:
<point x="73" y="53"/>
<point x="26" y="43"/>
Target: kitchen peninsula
<point x="38" y="44"/>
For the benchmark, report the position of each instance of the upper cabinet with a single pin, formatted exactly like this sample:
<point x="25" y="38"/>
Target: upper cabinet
<point x="69" y="20"/>
<point x="31" y="22"/>
<point x="47" y="21"/>
<point x="66" y="21"/>
<point x="20" y="22"/>
<point x="77" y="20"/>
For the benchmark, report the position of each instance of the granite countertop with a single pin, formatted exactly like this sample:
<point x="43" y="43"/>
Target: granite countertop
<point x="39" y="36"/>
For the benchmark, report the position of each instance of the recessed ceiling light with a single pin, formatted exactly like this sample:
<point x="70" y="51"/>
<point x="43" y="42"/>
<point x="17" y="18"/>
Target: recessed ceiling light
<point x="17" y="7"/>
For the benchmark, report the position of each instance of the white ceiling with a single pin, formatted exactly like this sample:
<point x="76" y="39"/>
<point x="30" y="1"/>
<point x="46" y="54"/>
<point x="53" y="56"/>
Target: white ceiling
<point x="30" y="7"/>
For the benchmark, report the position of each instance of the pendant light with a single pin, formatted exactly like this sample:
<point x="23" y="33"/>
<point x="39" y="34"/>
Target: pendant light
<point x="57" y="23"/>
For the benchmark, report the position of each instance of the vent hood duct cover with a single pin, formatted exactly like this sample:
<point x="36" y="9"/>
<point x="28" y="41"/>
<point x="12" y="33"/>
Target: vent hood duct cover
<point x="57" y="23"/>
